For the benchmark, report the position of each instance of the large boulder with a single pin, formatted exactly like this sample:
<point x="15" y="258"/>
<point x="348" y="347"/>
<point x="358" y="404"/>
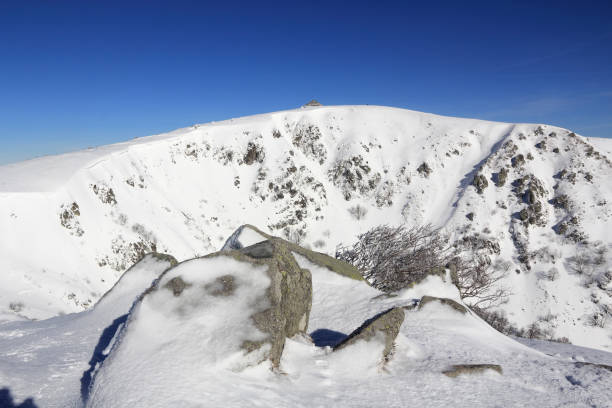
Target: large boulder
<point x="290" y="296"/>
<point x="384" y="328"/>
<point x="226" y="311"/>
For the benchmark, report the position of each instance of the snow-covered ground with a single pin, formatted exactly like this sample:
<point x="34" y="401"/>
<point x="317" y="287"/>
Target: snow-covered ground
<point x="156" y="361"/>
<point x="71" y="224"/>
<point x="52" y="360"/>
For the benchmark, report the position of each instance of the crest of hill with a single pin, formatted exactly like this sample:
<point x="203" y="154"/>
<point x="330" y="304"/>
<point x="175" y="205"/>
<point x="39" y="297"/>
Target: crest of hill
<point x="247" y="235"/>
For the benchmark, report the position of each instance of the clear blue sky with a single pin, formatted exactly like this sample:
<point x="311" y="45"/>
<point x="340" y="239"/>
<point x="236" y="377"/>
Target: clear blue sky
<point x="84" y="73"/>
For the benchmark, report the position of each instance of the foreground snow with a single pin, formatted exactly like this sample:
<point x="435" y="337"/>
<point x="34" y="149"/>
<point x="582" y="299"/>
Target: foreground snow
<point x="52" y="360"/>
<point x="432" y="339"/>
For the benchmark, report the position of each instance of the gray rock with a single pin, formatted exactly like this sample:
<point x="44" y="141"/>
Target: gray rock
<point x="287" y="300"/>
<point x="318" y="258"/>
<point x="289" y="295"/>
<point x="480" y="182"/>
<point x="459" y="369"/>
<point x="445" y="301"/>
<point x="387" y="323"/>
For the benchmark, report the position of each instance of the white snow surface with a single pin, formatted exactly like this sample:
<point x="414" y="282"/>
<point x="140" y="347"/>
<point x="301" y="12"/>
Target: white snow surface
<point x="188" y="357"/>
<point x="71" y="224"/>
<point x="175" y="345"/>
<point x="604" y="145"/>
<point x="48" y="359"/>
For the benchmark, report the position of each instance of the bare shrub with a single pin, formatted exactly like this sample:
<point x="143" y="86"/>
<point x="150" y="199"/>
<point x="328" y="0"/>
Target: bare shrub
<point x="498" y="320"/>
<point x="600" y="317"/>
<point x="535" y="331"/>
<point x="16" y="306"/>
<point x="591" y="262"/>
<point x="318" y="243"/>
<point x="358" y="212"/>
<point x="392" y="258"/>
<point x="551" y="275"/>
<point x="479" y="281"/>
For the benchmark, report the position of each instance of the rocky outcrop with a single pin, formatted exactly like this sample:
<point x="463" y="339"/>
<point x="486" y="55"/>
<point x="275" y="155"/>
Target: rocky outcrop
<point x="459" y="369"/>
<point x="445" y="301"/>
<point x="289" y="296"/>
<point x="332" y="264"/>
<point x="480" y="182"/>
<point x="227" y="310"/>
<point x="383" y="327"/>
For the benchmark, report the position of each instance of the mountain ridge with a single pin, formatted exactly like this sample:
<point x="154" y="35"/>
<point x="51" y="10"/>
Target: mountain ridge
<point x="302" y="173"/>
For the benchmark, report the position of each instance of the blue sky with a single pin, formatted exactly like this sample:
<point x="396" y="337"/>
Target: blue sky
<point x="79" y="74"/>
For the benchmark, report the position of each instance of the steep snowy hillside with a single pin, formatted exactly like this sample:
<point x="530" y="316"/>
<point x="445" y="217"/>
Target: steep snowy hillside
<point x="536" y="198"/>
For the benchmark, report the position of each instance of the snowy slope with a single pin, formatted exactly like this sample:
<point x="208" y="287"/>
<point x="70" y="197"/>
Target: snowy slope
<point x="156" y="359"/>
<point x="180" y="369"/>
<point x="51" y="360"/>
<point x="431" y="340"/>
<point x="601" y="144"/>
<point x="318" y="176"/>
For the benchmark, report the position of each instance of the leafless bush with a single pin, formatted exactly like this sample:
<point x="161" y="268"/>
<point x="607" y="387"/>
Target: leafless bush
<point x="319" y="243"/>
<point x="591" y="262"/>
<point x="479" y="281"/>
<point x="535" y="331"/>
<point x="601" y="316"/>
<point x="392" y="258"/>
<point x="552" y="274"/>
<point x="580" y="263"/>
<point x="358" y="212"/>
<point x="498" y="320"/>
<point x="16" y="306"/>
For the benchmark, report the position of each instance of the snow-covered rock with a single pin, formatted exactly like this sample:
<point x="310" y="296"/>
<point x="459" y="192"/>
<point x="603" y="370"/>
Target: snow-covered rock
<point x="207" y="316"/>
<point x="383" y="328"/>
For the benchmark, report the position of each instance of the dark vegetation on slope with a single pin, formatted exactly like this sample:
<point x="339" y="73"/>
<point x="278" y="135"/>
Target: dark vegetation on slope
<point x="395" y="258"/>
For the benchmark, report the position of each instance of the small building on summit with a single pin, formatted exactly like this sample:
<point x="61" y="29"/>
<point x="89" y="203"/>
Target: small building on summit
<point x="313" y="102"/>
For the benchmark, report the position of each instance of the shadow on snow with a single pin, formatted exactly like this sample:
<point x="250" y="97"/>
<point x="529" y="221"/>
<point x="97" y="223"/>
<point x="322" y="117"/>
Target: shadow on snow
<point x="98" y="355"/>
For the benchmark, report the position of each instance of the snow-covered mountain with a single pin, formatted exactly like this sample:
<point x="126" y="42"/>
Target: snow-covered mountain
<point x="536" y="198"/>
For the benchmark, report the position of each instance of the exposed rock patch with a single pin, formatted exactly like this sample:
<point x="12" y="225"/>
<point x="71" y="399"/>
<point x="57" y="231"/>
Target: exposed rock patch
<point x="445" y="301"/>
<point x="306" y="137"/>
<point x="332" y="264"/>
<point x="387" y="324"/>
<point x="480" y="182"/>
<point x="69" y="219"/>
<point x="289" y="295"/>
<point x="105" y="194"/>
<point x="460" y="369"/>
